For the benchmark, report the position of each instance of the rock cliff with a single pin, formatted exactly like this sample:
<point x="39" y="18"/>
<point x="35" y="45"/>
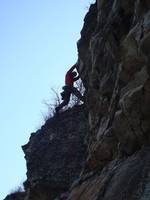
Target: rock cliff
<point x="55" y="154"/>
<point x="114" y="59"/>
<point x="101" y="152"/>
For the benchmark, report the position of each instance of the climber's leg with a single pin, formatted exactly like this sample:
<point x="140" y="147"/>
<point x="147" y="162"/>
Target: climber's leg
<point x="64" y="103"/>
<point x="77" y="94"/>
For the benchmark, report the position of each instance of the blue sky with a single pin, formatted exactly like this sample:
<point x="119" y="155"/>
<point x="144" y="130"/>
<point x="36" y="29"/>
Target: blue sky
<point x="37" y="45"/>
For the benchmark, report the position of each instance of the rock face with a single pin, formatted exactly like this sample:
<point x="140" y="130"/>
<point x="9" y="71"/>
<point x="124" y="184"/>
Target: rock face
<point x="126" y="178"/>
<point x="114" y="57"/>
<point x="55" y="154"/>
<point x="114" y="65"/>
<point x="16" y="196"/>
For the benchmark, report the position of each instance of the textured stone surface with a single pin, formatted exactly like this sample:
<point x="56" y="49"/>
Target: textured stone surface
<point x="118" y="72"/>
<point x="126" y="178"/>
<point x="55" y="154"/>
<point x="16" y="196"/>
<point x="114" y="66"/>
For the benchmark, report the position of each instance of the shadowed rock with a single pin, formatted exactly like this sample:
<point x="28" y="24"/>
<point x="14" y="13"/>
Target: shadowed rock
<point x="56" y="153"/>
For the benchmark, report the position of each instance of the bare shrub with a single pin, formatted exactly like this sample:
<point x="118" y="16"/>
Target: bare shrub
<point x="18" y="189"/>
<point x="56" y="100"/>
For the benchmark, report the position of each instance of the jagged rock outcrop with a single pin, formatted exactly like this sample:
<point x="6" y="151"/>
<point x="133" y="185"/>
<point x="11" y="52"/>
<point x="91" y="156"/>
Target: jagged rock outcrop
<point x="16" y="196"/>
<point x="126" y="178"/>
<point x="114" y="57"/>
<point x="55" y="154"/>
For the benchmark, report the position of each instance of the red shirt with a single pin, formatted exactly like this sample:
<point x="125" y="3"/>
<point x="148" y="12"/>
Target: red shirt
<point x="69" y="78"/>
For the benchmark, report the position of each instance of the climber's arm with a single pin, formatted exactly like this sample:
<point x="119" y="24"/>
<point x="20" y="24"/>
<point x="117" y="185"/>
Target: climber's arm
<point x="72" y="68"/>
<point x="76" y="78"/>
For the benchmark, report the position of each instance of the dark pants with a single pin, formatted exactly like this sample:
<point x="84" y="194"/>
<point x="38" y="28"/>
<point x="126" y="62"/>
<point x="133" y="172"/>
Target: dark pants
<point x="68" y="90"/>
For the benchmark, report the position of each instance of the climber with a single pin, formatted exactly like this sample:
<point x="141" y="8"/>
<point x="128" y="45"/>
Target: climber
<point x="70" y="78"/>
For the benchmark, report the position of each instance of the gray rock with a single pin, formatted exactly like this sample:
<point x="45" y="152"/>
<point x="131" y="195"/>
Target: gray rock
<point x="56" y="154"/>
<point x="16" y="196"/>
